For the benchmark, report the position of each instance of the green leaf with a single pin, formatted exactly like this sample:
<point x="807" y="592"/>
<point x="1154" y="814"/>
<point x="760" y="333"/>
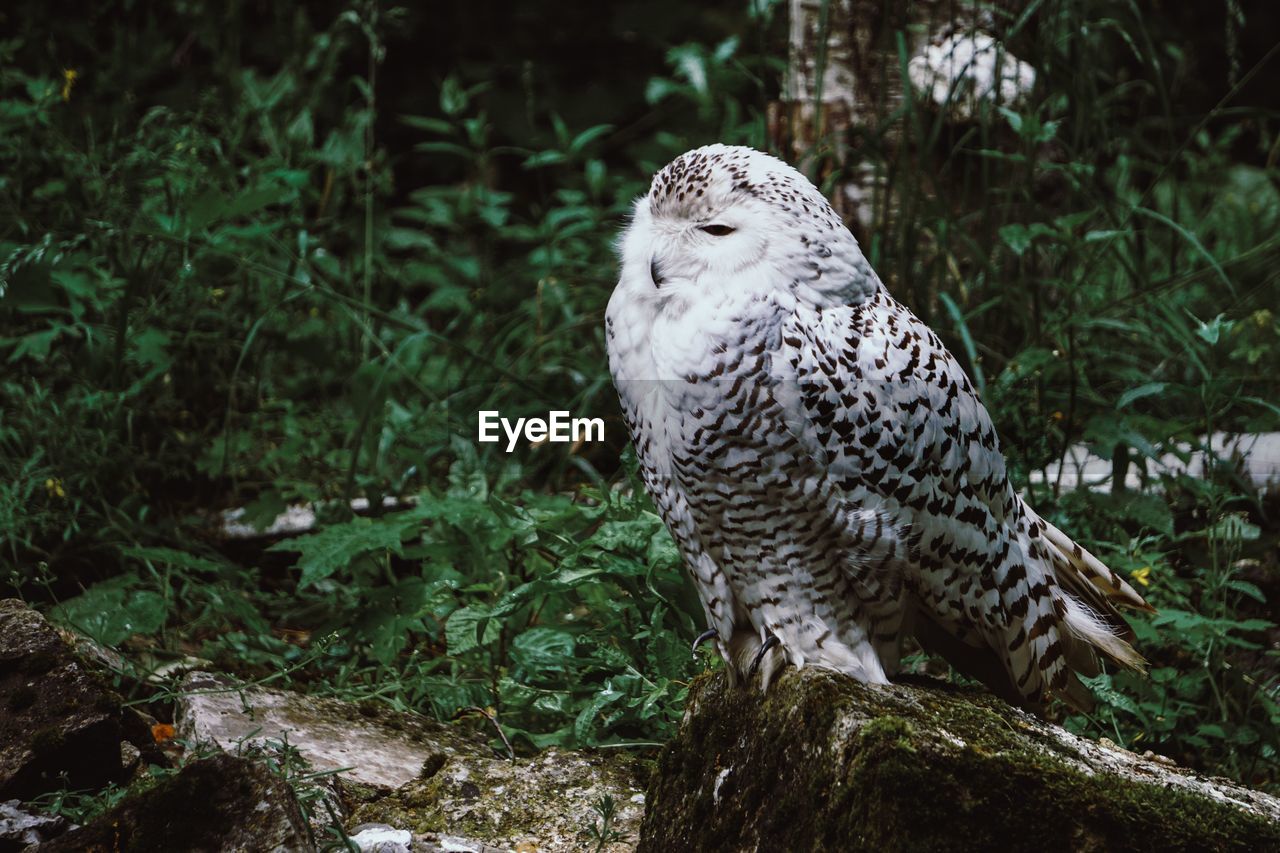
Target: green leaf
<point x="1101" y="687"/>
<point x="461" y="630"/>
<point x="1138" y="393"/>
<point x="114" y="610"/>
<point x="966" y="339"/>
<point x="1191" y="239"/>
<point x="1014" y="119"/>
<point x="591" y="134"/>
<point x="543" y="158"/>
<point x="1246" y="588"/>
<point x="659" y="88"/>
<point x="541" y="650"/>
<point x="726" y="49"/>
<point x="1211" y="331"/>
<point x="335" y="547"/>
<point x="263" y="510"/>
<point x="585" y="722"/>
<point x="433" y="125"/>
<point x="444" y="148"/>
<point x="174" y="557"/>
<point x="1233" y="528"/>
<point x="37" y="344"/>
<point x="691" y="64"/>
<point x="453" y="98"/>
<point x="1016" y="237"/>
<point x="631" y="536"/>
<point x="150" y="347"/>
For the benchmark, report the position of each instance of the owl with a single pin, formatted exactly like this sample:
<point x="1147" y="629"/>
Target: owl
<point x="828" y="471"/>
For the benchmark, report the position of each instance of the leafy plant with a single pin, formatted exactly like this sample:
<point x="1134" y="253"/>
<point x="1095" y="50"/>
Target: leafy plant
<point x="602" y="831"/>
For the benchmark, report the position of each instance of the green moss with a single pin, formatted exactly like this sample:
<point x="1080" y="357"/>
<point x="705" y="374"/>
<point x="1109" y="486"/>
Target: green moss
<point x="886" y="733"/>
<point x="433" y="764"/>
<point x="478" y="796"/>
<point x="824" y="763"/>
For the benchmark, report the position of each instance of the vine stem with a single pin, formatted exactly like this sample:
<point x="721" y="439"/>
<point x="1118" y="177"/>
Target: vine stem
<point x="371" y="107"/>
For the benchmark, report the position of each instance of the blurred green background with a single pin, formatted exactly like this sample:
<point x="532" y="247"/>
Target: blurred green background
<point x="264" y="254"/>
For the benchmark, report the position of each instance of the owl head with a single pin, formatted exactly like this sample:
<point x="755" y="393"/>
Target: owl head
<point x="724" y="221"/>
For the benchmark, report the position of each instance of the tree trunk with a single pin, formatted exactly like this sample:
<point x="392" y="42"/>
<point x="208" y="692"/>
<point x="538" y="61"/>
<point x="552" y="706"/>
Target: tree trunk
<point x="841" y="119"/>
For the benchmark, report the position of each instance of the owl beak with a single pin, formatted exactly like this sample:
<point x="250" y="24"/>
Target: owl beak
<point x="655" y="273"/>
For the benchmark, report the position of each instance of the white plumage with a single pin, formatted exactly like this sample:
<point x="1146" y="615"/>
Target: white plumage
<point x="827" y="470"/>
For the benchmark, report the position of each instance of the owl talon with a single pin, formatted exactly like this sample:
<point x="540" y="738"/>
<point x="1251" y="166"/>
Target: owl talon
<point x="768" y="644"/>
<point x="709" y="634"/>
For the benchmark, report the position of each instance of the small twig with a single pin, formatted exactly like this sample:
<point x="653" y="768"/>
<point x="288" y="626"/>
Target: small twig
<point x="511" y="753"/>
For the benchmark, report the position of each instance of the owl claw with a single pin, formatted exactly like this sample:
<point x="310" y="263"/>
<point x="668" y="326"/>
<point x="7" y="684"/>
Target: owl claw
<point x="709" y="634"/>
<point x="768" y="644"/>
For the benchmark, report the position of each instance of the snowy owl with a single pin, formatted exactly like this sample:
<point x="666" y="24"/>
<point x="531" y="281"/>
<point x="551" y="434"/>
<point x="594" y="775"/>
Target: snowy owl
<point x="826" y="468"/>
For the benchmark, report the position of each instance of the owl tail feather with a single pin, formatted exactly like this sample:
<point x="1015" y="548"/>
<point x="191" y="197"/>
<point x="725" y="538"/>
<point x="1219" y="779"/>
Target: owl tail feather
<point x="1080" y="571"/>
<point x="1089" y="620"/>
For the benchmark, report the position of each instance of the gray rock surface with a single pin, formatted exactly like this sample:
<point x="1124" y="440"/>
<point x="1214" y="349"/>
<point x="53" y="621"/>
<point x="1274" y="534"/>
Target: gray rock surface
<point x="451" y="791"/>
<point x="19" y="827"/>
<point x="215" y="804"/>
<point x="544" y="803"/>
<point x="380" y="838"/>
<point x="370" y="746"/>
<point x="823" y="762"/>
<point x="61" y="725"/>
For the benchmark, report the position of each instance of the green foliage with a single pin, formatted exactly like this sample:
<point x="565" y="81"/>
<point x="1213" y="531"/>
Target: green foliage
<point x="288" y="256"/>
<point x="114" y="610"/>
<point x="1210" y="696"/>
<point x="567" y="614"/>
<point x="80" y="807"/>
<point x="258" y="310"/>
<point x="602" y="831"/>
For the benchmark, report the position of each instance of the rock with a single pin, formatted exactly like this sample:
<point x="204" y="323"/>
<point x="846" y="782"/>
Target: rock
<point x="371" y="746"/>
<point x="214" y="804"/>
<point x="61" y="725"/>
<point x="435" y="843"/>
<point x="823" y="762"/>
<point x="544" y="803"/>
<point x="380" y="838"/>
<point x="452" y="792"/>
<point x="19" y="828"/>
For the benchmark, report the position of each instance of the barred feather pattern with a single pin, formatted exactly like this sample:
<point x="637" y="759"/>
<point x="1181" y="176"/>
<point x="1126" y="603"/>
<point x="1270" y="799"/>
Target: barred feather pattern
<point x="826" y="468"/>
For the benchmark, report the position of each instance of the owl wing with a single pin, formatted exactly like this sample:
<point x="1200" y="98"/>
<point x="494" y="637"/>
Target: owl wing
<point x="888" y="412"/>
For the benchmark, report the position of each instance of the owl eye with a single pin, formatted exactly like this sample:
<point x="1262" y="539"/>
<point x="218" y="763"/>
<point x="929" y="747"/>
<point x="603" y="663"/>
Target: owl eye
<point x="717" y="230"/>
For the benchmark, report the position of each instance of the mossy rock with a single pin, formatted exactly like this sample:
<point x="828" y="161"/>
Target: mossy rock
<point x="61" y="724"/>
<point x="545" y="802"/>
<point x="824" y="763"/>
<point x="215" y="804"/>
<point x="408" y="772"/>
